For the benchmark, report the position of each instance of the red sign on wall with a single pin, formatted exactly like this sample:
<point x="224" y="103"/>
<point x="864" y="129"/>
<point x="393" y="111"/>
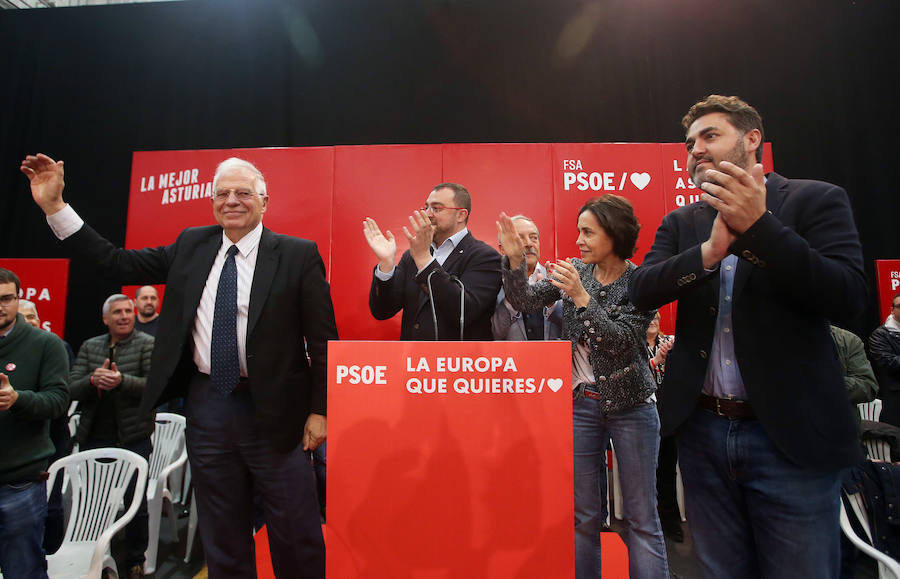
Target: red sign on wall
<point x="46" y="283"/>
<point x="450" y="459"/>
<point x="887" y="272"/>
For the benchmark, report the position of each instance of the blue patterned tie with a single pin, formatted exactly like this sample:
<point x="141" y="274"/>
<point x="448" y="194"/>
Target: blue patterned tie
<point x="224" y="367"/>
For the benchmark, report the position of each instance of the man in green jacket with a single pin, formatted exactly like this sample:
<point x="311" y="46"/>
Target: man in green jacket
<point x="33" y="368"/>
<point x="108" y="380"/>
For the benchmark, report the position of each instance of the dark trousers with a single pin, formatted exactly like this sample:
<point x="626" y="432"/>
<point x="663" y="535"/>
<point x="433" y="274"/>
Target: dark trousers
<point x="136" y="532"/>
<point x="229" y="459"/>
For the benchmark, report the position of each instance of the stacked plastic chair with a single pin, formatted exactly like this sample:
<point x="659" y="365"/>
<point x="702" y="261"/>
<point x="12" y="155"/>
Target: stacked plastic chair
<point x="98" y="480"/>
<point x="169" y="454"/>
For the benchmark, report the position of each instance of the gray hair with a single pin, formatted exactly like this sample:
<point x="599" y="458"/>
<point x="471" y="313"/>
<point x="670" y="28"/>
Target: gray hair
<point x="521" y="217"/>
<point x="24" y="304"/>
<point x="259" y="183"/>
<point x="115" y="298"/>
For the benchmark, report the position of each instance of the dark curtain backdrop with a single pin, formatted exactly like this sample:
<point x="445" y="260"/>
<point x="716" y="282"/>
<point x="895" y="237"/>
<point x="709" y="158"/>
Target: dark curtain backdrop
<point x="91" y="85"/>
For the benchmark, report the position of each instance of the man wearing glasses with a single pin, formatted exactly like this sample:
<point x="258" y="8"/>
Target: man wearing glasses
<point x="33" y="372"/>
<point x="242" y="335"/>
<point x="444" y="278"/>
<point x="884" y="351"/>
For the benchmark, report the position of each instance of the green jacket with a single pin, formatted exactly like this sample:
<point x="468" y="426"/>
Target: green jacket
<point x="132" y="357"/>
<point x="37" y="365"/>
<point x="858" y="376"/>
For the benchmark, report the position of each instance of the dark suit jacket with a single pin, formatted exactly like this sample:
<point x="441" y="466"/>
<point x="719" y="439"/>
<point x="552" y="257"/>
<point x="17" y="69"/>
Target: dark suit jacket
<point x="290" y="316"/>
<point x="474" y="262"/>
<point x="801" y="266"/>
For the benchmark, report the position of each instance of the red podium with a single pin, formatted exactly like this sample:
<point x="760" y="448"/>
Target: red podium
<point x="449" y="459"/>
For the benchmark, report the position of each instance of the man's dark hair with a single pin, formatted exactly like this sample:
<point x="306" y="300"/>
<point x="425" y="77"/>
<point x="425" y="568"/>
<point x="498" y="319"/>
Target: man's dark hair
<point x="461" y="197"/>
<point x="7" y="276"/>
<point x="892" y="299"/>
<point x="615" y="214"/>
<point x="741" y="115"/>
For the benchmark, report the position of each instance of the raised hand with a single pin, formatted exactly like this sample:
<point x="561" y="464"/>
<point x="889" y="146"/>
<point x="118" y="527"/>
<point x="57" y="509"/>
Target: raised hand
<point x="738" y="195"/>
<point x="383" y="245"/>
<point x="47" y="181"/>
<point x="715" y="249"/>
<point x="512" y="244"/>
<point x="420" y="235"/>
<point x="564" y="276"/>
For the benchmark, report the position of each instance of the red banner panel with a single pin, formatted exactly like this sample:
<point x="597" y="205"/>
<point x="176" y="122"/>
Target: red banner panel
<point x="450" y="459"/>
<point x="887" y="272"/>
<point x="46" y="283"/>
<point x="386" y="183"/>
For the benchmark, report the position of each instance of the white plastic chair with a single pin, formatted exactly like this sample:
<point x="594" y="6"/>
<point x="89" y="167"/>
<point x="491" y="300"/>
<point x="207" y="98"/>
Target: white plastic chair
<point x="169" y="453"/>
<point x="98" y="479"/>
<point x="870" y="410"/>
<point x="888" y="567"/>
<point x="875" y="449"/>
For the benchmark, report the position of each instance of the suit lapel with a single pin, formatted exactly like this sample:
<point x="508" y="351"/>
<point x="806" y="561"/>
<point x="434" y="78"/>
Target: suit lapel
<point x="775" y="194"/>
<point x="205" y="256"/>
<point x="455" y="257"/>
<point x="266" y="266"/>
<point x="457" y="254"/>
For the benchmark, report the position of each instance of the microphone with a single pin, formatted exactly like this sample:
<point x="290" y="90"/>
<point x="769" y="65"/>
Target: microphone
<point x="462" y="305"/>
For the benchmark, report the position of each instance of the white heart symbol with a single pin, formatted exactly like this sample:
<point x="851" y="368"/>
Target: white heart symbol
<point x="555" y="384"/>
<point x="640" y="180"/>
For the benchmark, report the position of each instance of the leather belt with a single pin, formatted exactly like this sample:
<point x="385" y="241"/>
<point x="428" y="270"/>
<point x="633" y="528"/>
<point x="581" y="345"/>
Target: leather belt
<point x="727" y="407"/>
<point x="583" y="387"/>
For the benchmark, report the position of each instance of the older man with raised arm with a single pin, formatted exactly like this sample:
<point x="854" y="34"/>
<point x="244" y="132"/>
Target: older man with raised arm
<point x="243" y="336"/>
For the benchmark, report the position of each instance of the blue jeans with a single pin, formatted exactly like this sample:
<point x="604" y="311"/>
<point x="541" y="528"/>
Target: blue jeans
<point x="751" y="512"/>
<point x="23" y="508"/>
<point x="635" y="436"/>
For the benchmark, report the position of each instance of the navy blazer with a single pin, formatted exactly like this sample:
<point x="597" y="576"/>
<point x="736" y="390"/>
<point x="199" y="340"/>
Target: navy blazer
<point x="290" y="316"/>
<point x="473" y="262"/>
<point x="801" y="266"/>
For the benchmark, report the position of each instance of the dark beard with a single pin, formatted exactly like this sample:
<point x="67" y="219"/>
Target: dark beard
<point x="737" y="155"/>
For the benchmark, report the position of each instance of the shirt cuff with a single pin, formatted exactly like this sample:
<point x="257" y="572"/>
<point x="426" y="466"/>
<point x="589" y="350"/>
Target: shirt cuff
<point x="424" y="267"/>
<point x="65" y="222"/>
<point x="380" y="275"/>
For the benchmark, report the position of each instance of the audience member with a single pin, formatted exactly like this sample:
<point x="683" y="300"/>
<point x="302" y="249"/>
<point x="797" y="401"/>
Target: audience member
<point x="613" y="394"/>
<point x="244" y="308"/>
<point x="507" y="323"/>
<point x="884" y="351"/>
<point x="446" y="278"/>
<point x="658" y="346"/>
<point x="108" y="381"/>
<point x="146" y="302"/>
<point x="33" y="371"/>
<point x="754" y="391"/>
<point x="54" y="529"/>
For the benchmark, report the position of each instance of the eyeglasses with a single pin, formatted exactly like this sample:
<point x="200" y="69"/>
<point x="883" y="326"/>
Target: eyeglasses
<point x="7" y="299"/>
<point x="437" y="208"/>
<point x="241" y="195"/>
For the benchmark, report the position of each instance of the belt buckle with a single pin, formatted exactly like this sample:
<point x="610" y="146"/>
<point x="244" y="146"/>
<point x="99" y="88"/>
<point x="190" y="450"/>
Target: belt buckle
<point x="719" y="407"/>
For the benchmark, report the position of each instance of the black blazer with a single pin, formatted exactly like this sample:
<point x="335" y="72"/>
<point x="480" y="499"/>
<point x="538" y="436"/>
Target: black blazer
<point x="801" y="266"/>
<point x="291" y="315"/>
<point x="473" y="262"/>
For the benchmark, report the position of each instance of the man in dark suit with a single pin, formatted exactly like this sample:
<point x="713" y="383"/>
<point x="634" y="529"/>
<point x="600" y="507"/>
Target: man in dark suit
<point x="754" y="387"/>
<point x="243" y="336"/>
<point x="446" y="274"/>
